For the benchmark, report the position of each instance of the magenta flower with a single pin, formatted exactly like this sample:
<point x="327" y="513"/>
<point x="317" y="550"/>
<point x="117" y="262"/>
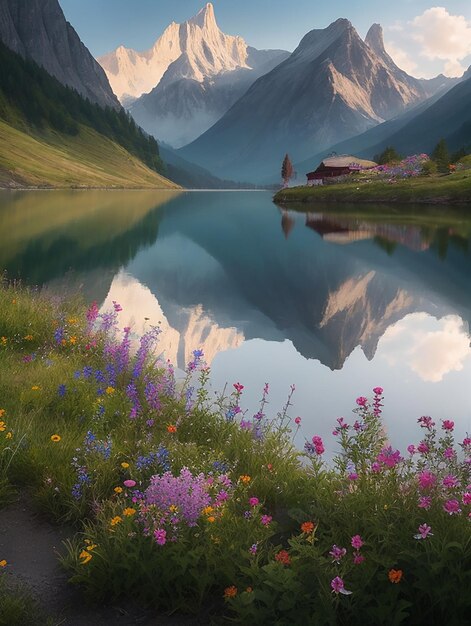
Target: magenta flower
<point x="338" y="586"/>
<point x="425" y="502"/>
<point x="318" y="445"/>
<point x="362" y="401"/>
<point x="129" y="483"/>
<point x="375" y="467"/>
<point x="467" y="498"/>
<point x="448" y="425"/>
<point x="389" y="457"/>
<point x="423" y="447"/>
<point x="452" y="507"/>
<point x="424" y="532"/>
<point x="254" y="501"/>
<point x="466" y="442"/>
<point x="449" y="453"/>
<point x="450" y="482"/>
<point x="238" y="387"/>
<point x="378" y="391"/>
<point x="337" y="553"/>
<point x="352" y="476"/>
<point x="358" y="558"/>
<point x="357" y="542"/>
<point x="160" y="536"/>
<point x="426" y="422"/>
<point x="266" y="519"/>
<point x="427" y="480"/>
<point x="411" y="449"/>
<point x="297" y="421"/>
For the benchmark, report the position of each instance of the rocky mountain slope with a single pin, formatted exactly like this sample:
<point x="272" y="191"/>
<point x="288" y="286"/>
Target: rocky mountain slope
<point x="333" y="86"/>
<point x="194" y="73"/>
<point x="38" y="30"/>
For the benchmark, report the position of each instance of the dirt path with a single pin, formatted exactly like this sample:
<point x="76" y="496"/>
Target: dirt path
<point x="30" y="545"/>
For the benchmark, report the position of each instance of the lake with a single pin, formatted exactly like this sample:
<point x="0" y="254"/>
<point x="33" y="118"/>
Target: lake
<point x="334" y="301"/>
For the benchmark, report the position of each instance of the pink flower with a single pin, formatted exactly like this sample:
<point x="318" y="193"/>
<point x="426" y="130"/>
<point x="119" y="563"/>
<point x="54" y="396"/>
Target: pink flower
<point x="338" y="586"/>
<point x="254" y="501"/>
<point x="389" y="457"/>
<point x="357" y="542"/>
<point x="160" y="536"/>
<point x="427" y="479"/>
<point x="411" y="449"/>
<point x="375" y="467"/>
<point x="352" y="476"/>
<point x="449" y="453"/>
<point x="424" y="532"/>
<point x="238" y="387"/>
<point x="378" y="391"/>
<point x="467" y="498"/>
<point x="448" y="425"/>
<point x="452" y="507"/>
<point x="423" y="447"/>
<point x="425" y="502"/>
<point x="466" y="442"/>
<point x="266" y="519"/>
<point x="450" y="482"/>
<point x="426" y="422"/>
<point x="297" y="421"/>
<point x="337" y="553"/>
<point x="358" y="558"/>
<point x="129" y="483"/>
<point x="318" y="445"/>
<point x="362" y="401"/>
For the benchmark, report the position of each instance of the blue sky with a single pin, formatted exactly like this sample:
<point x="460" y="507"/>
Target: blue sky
<point x="421" y="34"/>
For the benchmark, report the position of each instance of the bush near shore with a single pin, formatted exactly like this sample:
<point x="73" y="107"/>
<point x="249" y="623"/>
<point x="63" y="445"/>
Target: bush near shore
<point x="184" y="502"/>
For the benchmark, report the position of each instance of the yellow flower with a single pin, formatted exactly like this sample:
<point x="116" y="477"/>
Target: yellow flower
<point x="3" y="340"/>
<point x="55" y="438"/>
<point x="28" y="337"/>
<point x="9" y="435"/>
<point x="2" y="412"/>
<point x="245" y="479"/>
<point x="173" y="508"/>
<point x="72" y="321"/>
<point x="208" y="510"/>
<point x="35" y="388"/>
<point x="109" y="390"/>
<point x="124" y="465"/>
<point x="118" y="490"/>
<point x="73" y="340"/>
<point x="129" y="512"/>
<point x="3" y="563"/>
<point x="85" y="556"/>
<point x="116" y="520"/>
<point x="2" y="426"/>
<point x="91" y="547"/>
<point x="211" y="519"/>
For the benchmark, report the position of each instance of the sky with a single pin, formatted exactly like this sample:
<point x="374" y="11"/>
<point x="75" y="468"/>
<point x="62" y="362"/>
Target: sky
<point x="424" y="37"/>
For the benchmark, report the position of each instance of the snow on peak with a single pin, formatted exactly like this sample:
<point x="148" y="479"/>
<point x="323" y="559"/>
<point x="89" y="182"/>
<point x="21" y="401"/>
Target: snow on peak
<point x="196" y="49"/>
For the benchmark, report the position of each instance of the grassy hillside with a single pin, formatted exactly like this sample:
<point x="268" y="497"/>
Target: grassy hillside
<point x="449" y="189"/>
<point x="87" y="159"/>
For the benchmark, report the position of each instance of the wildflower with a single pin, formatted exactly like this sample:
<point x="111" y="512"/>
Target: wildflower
<point x="467" y="498"/>
<point x="358" y="558"/>
<point x="389" y="457"/>
<point x="318" y="445"/>
<point x="378" y="391"/>
<point x="423" y="447"/>
<point x="35" y="388"/>
<point x="269" y="467"/>
<point x="211" y="519"/>
<point x="307" y="527"/>
<point x="375" y="467"/>
<point x="337" y="553"/>
<point x="283" y="557"/>
<point x="362" y="401"/>
<point x="245" y="479"/>
<point x="448" y="425"/>
<point x="3" y="563"/>
<point x="171" y="428"/>
<point x="427" y="480"/>
<point x="9" y="435"/>
<point x="357" y="542"/>
<point x="28" y="337"/>
<point x="116" y="520"/>
<point x="450" y="482"/>
<point x="426" y="422"/>
<point x="424" y="532"/>
<point x="109" y="391"/>
<point x="2" y="412"/>
<point x="451" y="507"/>
<point x="352" y="476"/>
<point x="118" y="490"/>
<point x="55" y="438"/>
<point x="73" y="340"/>
<point x="338" y="586"/>
<point x="411" y="449"/>
<point x="129" y="483"/>
<point x="61" y="390"/>
<point x="238" y="387"/>
<point x="160" y="536"/>
<point x="3" y="426"/>
<point x="129" y="512"/>
<point x="85" y="556"/>
<point x="297" y="421"/>
<point x="124" y="465"/>
<point x="266" y="519"/>
<point x="254" y="501"/>
<point x="425" y="502"/>
<point x="230" y="592"/>
<point x="206" y="511"/>
<point x="395" y="575"/>
<point x="253" y="548"/>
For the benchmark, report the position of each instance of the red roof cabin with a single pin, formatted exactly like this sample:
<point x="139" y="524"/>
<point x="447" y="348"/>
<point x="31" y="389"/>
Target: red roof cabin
<point x="341" y="165"/>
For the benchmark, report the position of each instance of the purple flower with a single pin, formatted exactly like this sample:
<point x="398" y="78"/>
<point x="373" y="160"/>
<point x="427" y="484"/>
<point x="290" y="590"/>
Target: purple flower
<point x="425" y="502"/>
<point x="253" y="548"/>
<point x="61" y="391"/>
<point x="358" y="558"/>
<point x="338" y="586"/>
<point x="337" y="553"/>
<point x="426" y="422"/>
<point x="423" y="447"/>
<point x="160" y="536"/>
<point x="357" y="542"/>
<point x="266" y="519"/>
<point x="452" y="507"/>
<point x="449" y="453"/>
<point x="352" y="476"/>
<point x="424" y="532"/>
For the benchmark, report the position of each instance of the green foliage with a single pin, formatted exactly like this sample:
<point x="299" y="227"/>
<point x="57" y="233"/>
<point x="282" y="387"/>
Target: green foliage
<point x="429" y="168"/>
<point x="286" y="170"/>
<point x="17" y="606"/>
<point x="458" y="155"/>
<point x="32" y="98"/>
<point x="441" y="156"/>
<point x="389" y="155"/>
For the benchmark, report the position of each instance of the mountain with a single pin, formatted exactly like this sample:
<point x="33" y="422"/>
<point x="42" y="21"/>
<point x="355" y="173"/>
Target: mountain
<point x="50" y="136"/>
<point x="332" y="87"/>
<point x="38" y="30"/>
<point x="194" y="73"/>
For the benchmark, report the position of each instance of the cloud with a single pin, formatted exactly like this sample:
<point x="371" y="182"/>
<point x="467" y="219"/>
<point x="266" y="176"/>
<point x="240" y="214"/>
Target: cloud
<point x="431" y="354"/>
<point x="436" y="36"/>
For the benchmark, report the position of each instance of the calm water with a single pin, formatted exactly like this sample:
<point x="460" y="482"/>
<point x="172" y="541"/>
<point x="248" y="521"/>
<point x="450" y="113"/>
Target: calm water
<point x="335" y="303"/>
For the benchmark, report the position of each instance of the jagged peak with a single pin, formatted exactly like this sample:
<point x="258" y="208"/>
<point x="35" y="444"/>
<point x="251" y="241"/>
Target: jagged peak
<point x="205" y="17"/>
<point x="315" y="41"/>
<point x="374" y="38"/>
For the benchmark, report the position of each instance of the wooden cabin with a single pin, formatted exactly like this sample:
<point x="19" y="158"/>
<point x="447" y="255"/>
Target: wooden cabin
<point x="341" y="165"/>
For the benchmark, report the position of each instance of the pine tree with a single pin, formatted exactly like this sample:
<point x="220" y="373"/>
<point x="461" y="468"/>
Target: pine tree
<point x="389" y="155"/>
<point x="286" y="170"/>
<point x="441" y="156"/>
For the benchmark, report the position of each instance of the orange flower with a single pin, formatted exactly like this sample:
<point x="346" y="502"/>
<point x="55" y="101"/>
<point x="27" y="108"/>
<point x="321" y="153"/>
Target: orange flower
<point x="211" y="519"/>
<point x="283" y="557"/>
<point x="129" y="512"/>
<point x="395" y="575"/>
<point x="230" y="592"/>
<point x="118" y="490"/>
<point x="171" y="428"/>
<point x="245" y="479"/>
<point x="3" y="563"/>
<point x="2" y="412"/>
<point x="28" y="337"/>
<point x="55" y="438"/>
<point x="73" y="340"/>
<point x="307" y="527"/>
<point x="124" y="465"/>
